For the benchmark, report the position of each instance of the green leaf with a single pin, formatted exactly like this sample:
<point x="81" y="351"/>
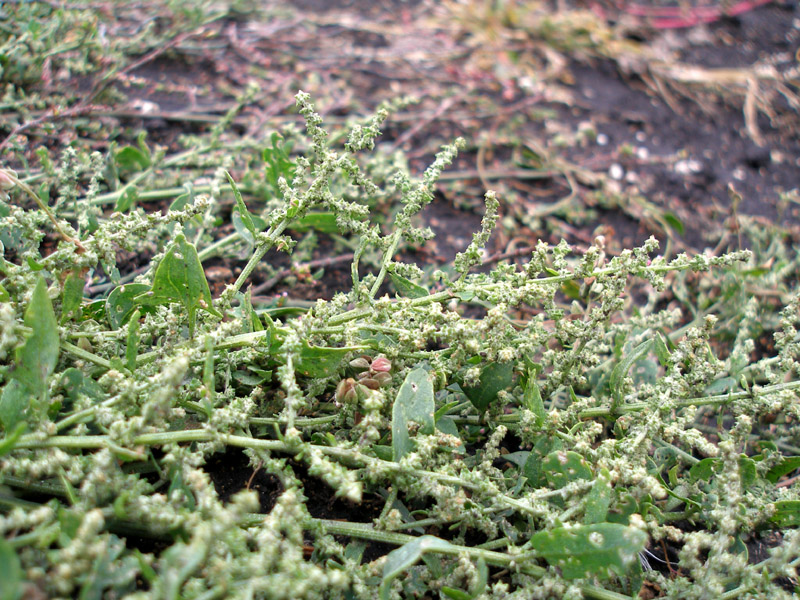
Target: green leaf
<point x="320" y="361"/>
<point x="598" y="500"/>
<point x="132" y="342"/>
<point x="180" y="278"/>
<point x="455" y="593"/>
<point x="121" y="302"/>
<point x="747" y="471"/>
<point x="129" y="158"/>
<point x="77" y="386"/>
<point x="598" y="549"/>
<point x="621" y="370"/>
<point x="320" y="221"/>
<point x="127" y="198"/>
<point x="407" y="288"/>
<point x="37" y="358"/>
<point x="414" y="402"/>
<point x="703" y="470"/>
<point x="241" y="228"/>
<point x="673" y="222"/>
<point x="244" y="214"/>
<point x="662" y="350"/>
<point x="407" y="556"/>
<point x="495" y="377"/>
<point x="532" y="399"/>
<point x="11" y="576"/>
<point x="14" y="402"/>
<point x="563" y="466"/>
<point x="787" y="513"/>
<point x="71" y="296"/>
<point x="9" y="441"/>
<point x="277" y="162"/>
<point x="786" y="466"/>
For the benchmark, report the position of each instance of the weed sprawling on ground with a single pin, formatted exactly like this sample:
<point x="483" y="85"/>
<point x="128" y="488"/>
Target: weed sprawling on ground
<point x="576" y="425"/>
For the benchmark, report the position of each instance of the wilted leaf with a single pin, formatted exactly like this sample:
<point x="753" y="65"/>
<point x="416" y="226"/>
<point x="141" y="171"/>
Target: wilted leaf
<point x="414" y="403"/>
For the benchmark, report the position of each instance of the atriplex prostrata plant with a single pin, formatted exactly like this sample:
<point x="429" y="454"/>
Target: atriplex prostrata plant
<point x="111" y="406"/>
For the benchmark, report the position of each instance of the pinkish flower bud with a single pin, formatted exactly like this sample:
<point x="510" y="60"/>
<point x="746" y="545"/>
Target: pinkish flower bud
<point x="381" y="364"/>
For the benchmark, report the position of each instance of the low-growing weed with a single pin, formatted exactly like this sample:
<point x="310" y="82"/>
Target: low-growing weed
<point x="620" y="438"/>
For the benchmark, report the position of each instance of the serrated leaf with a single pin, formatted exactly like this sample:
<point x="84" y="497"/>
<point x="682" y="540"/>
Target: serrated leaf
<point x="407" y="288"/>
<point x="180" y="278"/>
<point x="414" y="403"/>
<point x="121" y="302"/>
<point x="11" y="576"/>
<point x="320" y="361"/>
<point x="407" y="556"/>
<point x="37" y="358"/>
<point x="495" y="377"/>
<point x="563" y="466"/>
<point x="621" y="370"/>
<point x="598" y="549"/>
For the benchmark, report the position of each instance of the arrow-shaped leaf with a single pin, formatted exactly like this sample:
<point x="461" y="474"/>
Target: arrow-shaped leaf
<point x="180" y="278"/>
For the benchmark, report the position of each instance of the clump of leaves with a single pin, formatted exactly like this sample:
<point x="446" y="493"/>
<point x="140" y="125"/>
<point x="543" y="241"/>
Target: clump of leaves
<point x="555" y="449"/>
